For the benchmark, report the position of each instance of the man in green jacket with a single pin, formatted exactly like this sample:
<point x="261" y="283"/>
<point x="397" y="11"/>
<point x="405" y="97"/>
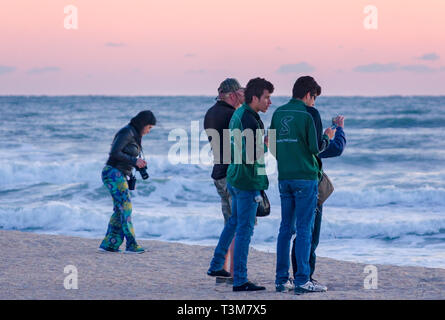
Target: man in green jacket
<point x="299" y="139"/>
<point x="246" y="176"/>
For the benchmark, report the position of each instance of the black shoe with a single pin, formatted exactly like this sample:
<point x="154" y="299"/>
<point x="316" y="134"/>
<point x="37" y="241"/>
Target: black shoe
<point x="220" y="273"/>
<point x="248" y="286"/>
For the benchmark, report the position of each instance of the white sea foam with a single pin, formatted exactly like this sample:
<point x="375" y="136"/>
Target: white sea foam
<point x="205" y="222"/>
<point x="173" y="183"/>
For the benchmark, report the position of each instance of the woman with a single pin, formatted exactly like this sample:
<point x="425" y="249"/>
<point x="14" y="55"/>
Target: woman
<point x="124" y="156"/>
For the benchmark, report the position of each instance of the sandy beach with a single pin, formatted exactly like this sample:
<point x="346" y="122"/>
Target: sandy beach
<point x="32" y="267"/>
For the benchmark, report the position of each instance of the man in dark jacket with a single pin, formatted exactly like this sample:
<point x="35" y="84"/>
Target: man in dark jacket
<point x="335" y="149"/>
<point x="216" y="124"/>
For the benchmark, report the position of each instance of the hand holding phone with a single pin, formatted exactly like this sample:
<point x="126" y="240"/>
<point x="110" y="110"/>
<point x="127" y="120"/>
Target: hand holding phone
<point x="334" y="123"/>
<point x="329" y="132"/>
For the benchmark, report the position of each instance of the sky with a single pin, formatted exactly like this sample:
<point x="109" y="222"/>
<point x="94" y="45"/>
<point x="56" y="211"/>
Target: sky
<point x="187" y="47"/>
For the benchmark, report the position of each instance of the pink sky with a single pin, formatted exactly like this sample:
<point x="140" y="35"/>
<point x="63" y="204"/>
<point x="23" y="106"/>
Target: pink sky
<point x="176" y="47"/>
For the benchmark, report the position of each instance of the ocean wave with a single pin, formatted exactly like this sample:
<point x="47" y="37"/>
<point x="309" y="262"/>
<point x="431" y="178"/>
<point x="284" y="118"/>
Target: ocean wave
<point x="199" y="224"/>
<point x="56" y="172"/>
<point x="389" y="182"/>
<point x="183" y="183"/>
<point x="387" y="196"/>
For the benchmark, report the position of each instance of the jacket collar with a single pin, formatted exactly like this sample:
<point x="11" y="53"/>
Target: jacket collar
<point x="224" y="104"/>
<point x="136" y="133"/>
<point x="248" y="108"/>
<point x="297" y="102"/>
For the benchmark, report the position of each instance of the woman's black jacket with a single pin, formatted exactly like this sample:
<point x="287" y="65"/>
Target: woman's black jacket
<point x="125" y="150"/>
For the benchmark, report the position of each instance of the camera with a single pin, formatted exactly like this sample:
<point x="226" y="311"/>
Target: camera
<point x="132" y="179"/>
<point x="132" y="182"/>
<point x="143" y="172"/>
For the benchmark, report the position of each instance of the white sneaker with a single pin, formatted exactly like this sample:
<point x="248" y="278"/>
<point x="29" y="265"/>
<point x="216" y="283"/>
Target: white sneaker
<point x="319" y="285"/>
<point x="287" y="286"/>
<point x="309" y="287"/>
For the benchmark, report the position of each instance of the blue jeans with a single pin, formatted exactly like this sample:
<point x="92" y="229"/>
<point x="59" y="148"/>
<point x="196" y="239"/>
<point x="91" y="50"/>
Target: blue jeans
<point x="298" y="202"/>
<point x="314" y="243"/>
<point x="241" y="222"/>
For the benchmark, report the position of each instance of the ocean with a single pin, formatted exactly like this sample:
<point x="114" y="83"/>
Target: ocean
<point x="388" y="206"/>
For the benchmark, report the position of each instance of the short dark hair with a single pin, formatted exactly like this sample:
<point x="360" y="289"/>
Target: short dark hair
<point x="255" y="87"/>
<point x="303" y="85"/>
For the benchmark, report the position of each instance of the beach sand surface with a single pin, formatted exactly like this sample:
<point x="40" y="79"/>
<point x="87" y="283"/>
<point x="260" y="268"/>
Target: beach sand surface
<point x="32" y="267"/>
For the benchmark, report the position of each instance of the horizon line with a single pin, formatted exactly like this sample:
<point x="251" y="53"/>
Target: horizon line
<point x="210" y="96"/>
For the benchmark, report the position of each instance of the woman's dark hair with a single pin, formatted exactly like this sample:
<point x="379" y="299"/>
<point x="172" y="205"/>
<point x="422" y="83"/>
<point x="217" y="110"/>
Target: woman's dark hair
<point x="143" y="119"/>
<point x="255" y="87"/>
<point x="303" y="85"/>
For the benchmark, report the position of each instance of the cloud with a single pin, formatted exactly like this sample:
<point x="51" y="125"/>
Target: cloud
<point x="115" y="44"/>
<point x="295" y="68"/>
<point x="394" y="67"/>
<point x="6" y="69"/>
<point x="43" y="70"/>
<point x="190" y="55"/>
<point x="429" y="57"/>
<point x="377" y="67"/>
<point x="417" y="68"/>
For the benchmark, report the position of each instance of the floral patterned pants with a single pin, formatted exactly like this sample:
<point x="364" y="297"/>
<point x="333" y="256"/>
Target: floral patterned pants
<point x="120" y="225"/>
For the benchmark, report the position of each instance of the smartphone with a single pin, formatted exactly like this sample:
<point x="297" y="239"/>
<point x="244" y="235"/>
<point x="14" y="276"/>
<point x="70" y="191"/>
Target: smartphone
<point x="334" y="125"/>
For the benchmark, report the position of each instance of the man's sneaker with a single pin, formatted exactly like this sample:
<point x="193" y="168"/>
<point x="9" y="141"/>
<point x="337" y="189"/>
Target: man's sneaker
<point x="287" y="286"/>
<point x="108" y="250"/>
<point x="308" y="287"/>
<point x="135" y="250"/>
<point x="220" y="273"/>
<point x="248" y="286"/>
<point x="322" y="287"/>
